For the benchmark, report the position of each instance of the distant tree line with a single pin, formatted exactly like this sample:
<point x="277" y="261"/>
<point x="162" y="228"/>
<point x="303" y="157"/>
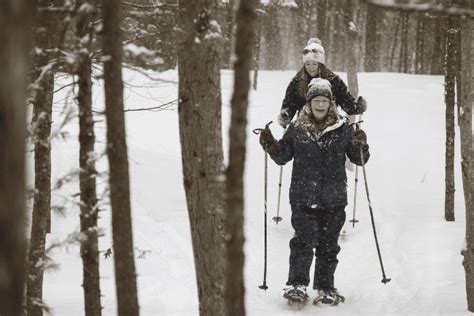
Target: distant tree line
<point x="392" y="39"/>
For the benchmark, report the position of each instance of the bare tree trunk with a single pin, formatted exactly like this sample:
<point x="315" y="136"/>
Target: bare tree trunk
<point x="330" y="30"/>
<point x="201" y="148"/>
<point x="235" y="290"/>
<point x="256" y="51"/>
<point x="465" y="124"/>
<point x="439" y="48"/>
<point x="395" y="40"/>
<point x="15" y="35"/>
<point x="271" y="29"/>
<point x="419" y="48"/>
<point x="87" y="177"/>
<point x="450" y="73"/>
<point x="403" y="62"/>
<point x="124" y="260"/>
<point x="42" y="116"/>
<point x="302" y="32"/>
<point x="371" y="62"/>
<point x="322" y="7"/>
<point x="353" y="38"/>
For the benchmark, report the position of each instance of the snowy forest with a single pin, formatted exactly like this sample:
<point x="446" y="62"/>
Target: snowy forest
<point x="223" y="157"/>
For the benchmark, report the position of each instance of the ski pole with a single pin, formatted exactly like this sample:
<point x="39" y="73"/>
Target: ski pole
<point x="356" y="180"/>
<point x="278" y="218"/>
<point x="264" y="285"/>
<point x="385" y="280"/>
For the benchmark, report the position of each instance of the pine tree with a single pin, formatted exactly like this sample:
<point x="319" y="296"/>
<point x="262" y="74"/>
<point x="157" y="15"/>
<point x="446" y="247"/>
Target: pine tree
<point x="234" y="290"/>
<point x="199" y="110"/>
<point x="87" y="177"/>
<point x="15" y="36"/>
<point x="124" y="261"/>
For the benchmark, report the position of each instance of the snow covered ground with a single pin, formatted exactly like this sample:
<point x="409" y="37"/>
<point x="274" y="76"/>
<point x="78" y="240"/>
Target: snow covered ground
<point x="405" y="127"/>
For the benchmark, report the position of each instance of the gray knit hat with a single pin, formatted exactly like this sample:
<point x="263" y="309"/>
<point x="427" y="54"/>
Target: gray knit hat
<point x="319" y="87"/>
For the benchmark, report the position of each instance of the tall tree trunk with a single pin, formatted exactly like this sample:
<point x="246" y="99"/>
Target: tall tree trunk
<point x="15" y="35"/>
<point x="87" y="177"/>
<point x="450" y="73"/>
<point x="322" y="7"/>
<point x="302" y="32"/>
<point x="42" y="116"/>
<point x="125" y="277"/>
<point x="229" y="32"/>
<point x="234" y="290"/>
<point x="439" y="48"/>
<point x="271" y="29"/>
<point x="371" y="62"/>
<point x="201" y="147"/>
<point x="352" y="54"/>
<point x="419" y="48"/>
<point x="395" y="39"/>
<point x="256" y="50"/>
<point x="403" y="62"/>
<point x="467" y="166"/>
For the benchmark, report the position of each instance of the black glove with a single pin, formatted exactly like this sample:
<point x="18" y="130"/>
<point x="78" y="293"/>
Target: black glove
<point x="268" y="142"/>
<point x="359" y="139"/>
<point x="361" y="105"/>
<point x="284" y="119"/>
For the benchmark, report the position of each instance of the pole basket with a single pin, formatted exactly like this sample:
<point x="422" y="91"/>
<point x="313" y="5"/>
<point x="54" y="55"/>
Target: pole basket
<point x="277" y="219"/>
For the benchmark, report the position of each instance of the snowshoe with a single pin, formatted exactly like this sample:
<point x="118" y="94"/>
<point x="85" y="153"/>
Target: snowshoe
<point x="328" y="297"/>
<point x="296" y="296"/>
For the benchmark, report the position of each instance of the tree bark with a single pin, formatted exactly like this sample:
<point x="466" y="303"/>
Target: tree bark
<point x="42" y="116"/>
<point x="439" y="48"/>
<point x="235" y="290"/>
<point x="450" y="73"/>
<point x="371" y="62"/>
<point x="322" y="7"/>
<point x="199" y="111"/>
<point x="256" y="50"/>
<point x="419" y="48"/>
<point x="465" y="124"/>
<point x="353" y="38"/>
<point x="87" y="176"/>
<point x="15" y="36"/>
<point x="124" y="260"/>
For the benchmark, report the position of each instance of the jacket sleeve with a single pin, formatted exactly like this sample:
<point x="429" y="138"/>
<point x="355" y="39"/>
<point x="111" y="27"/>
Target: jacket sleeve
<point x="353" y="151"/>
<point x="284" y="149"/>
<point x="343" y="98"/>
<point x="290" y="102"/>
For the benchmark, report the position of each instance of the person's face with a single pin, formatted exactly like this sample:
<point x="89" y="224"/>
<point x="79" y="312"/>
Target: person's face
<point x="311" y="67"/>
<point x="320" y="107"/>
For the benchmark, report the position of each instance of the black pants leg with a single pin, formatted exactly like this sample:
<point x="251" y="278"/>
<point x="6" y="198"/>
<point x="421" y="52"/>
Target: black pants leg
<point x="330" y="223"/>
<point x="303" y="220"/>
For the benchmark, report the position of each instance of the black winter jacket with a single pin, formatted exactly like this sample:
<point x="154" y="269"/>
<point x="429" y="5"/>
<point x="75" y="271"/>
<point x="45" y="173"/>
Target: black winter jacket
<point x="319" y="174"/>
<point x="295" y="97"/>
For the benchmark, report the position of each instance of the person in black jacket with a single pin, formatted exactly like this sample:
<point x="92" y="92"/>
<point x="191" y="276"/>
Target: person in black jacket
<point x="318" y="142"/>
<point x="314" y="67"/>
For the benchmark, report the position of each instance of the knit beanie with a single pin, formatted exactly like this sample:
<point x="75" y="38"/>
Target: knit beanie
<point x="314" y="51"/>
<point x="319" y="87"/>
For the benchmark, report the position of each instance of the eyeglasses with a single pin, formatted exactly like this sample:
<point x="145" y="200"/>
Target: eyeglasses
<point x="307" y="51"/>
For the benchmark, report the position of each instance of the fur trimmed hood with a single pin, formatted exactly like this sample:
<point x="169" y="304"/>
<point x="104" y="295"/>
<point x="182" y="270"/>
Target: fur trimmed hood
<point x="314" y="129"/>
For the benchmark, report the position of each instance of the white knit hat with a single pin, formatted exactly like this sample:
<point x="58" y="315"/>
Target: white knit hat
<point x="314" y="51"/>
<point x="319" y="87"/>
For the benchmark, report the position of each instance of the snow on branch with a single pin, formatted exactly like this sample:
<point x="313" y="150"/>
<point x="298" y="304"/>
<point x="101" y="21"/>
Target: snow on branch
<point x="149" y="6"/>
<point x="422" y="7"/>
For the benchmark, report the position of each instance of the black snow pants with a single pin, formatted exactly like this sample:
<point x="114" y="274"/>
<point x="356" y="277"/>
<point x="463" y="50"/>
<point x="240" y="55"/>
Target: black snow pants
<point x="318" y="229"/>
